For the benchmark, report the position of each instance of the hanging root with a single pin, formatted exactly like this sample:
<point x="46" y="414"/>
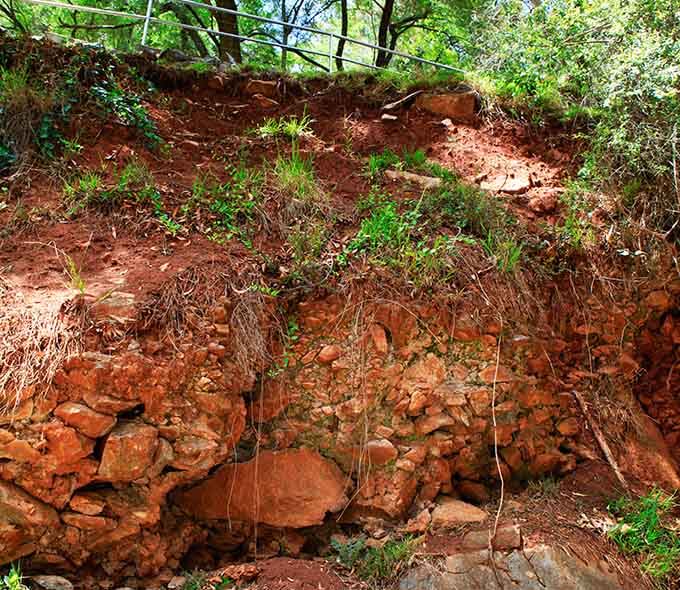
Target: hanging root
<point x="34" y="344"/>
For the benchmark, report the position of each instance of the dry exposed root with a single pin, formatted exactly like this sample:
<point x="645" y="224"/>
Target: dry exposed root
<point x="34" y="343"/>
<point x="251" y="347"/>
<point x="181" y="302"/>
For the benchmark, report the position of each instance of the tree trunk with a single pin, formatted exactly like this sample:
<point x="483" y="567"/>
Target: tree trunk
<point x="339" y="64"/>
<point x="382" y="58"/>
<point x="228" y="23"/>
<point x="284" y="37"/>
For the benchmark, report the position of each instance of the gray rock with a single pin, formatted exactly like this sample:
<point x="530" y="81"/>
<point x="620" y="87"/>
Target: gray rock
<point x="536" y="568"/>
<point x="52" y="582"/>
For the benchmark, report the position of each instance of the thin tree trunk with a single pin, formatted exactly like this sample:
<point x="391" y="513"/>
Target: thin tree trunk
<point x="228" y="23"/>
<point x="285" y="32"/>
<point x="382" y="58"/>
<point x="344" y="26"/>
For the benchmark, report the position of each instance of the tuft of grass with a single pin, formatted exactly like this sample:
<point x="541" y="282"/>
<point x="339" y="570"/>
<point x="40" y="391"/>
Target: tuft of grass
<point x="504" y="250"/>
<point x="641" y="531"/>
<point x="290" y="127"/>
<point x="546" y="487"/>
<point x="82" y="191"/>
<point x="73" y="272"/>
<point x="377" y="565"/>
<point x="195" y="580"/>
<point x="295" y="176"/>
<point x="378" y="163"/>
<point x="13" y="579"/>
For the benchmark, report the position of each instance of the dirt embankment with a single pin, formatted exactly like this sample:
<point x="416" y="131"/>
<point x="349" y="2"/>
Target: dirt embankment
<point x="223" y="401"/>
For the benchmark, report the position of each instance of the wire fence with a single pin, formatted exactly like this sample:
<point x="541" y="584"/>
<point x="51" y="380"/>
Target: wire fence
<point x="148" y="19"/>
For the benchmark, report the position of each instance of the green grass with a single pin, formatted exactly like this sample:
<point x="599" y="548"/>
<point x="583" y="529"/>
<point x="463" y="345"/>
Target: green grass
<point x="294" y="176"/>
<point x="377" y="565"/>
<point x="290" y="127"/>
<point x="378" y="163"/>
<point x="641" y="531"/>
<point x="82" y="191"/>
<point x="13" y="580"/>
<point x="414" y="161"/>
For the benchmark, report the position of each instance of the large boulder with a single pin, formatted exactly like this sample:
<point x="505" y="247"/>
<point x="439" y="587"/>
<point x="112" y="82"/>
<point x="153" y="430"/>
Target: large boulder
<point x="454" y="105"/>
<point x="128" y="452"/>
<point x="292" y="488"/>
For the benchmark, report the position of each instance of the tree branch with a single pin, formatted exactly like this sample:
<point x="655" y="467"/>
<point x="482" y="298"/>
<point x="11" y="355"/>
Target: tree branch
<point x="93" y="27"/>
<point x="304" y="56"/>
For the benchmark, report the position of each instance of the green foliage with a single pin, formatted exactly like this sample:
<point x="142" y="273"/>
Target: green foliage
<point x="466" y="207"/>
<point x="504" y="249"/>
<point x="195" y="580"/>
<point x="134" y="183"/>
<point x="82" y="191"/>
<point x="641" y="531"/>
<point x="398" y="240"/>
<point x="7" y="158"/>
<point x="290" y="127"/>
<point x="385" y="228"/>
<point x="609" y="65"/>
<point x="378" y="163"/>
<point x="415" y="161"/>
<point x="26" y="117"/>
<point x="234" y="203"/>
<point x="13" y="580"/>
<point x="127" y="108"/>
<point x="378" y="565"/>
<point x="294" y="176"/>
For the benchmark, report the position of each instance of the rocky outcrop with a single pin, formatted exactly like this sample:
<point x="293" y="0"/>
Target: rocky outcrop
<point x="533" y="568"/>
<point x="294" y="488"/>
<point x="133" y="458"/>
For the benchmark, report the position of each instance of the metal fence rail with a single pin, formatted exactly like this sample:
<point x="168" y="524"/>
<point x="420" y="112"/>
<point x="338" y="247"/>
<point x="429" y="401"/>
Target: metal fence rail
<point x="148" y="19"/>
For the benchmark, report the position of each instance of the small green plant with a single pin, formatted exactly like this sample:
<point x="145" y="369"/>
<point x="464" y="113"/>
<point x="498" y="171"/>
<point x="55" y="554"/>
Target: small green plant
<point x="378" y="565"/>
<point x="13" y="580"/>
<point x="290" y="127"/>
<point x="71" y="148"/>
<point x="506" y="252"/>
<point x="26" y="113"/>
<point x="546" y="487"/>
<point x="348" y="554"/>
<point x="195" y="580"/>
<point x="82" y="191"/>
<point x="373" y="200"/>
<point x="385" y="227"/>
<point x="73" y="272"/>
<point x="294" y="175"/>
<point x="641" y="531"/>
<point x="134" y="175"/>
<point x="378" y="163"/>
<point x="200" y="67"/>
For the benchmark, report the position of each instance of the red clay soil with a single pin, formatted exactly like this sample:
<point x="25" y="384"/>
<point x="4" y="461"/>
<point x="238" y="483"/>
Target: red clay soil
<point x="129" y="251"/>
<point x="281" y="573"/>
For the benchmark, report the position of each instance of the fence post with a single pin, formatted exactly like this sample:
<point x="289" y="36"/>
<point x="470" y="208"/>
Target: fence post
<point x="147" y="18"/>
<point x="330" y="53"/>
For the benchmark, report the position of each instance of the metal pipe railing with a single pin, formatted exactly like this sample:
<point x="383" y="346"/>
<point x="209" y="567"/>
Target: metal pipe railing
<point x="148" y="19"/>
